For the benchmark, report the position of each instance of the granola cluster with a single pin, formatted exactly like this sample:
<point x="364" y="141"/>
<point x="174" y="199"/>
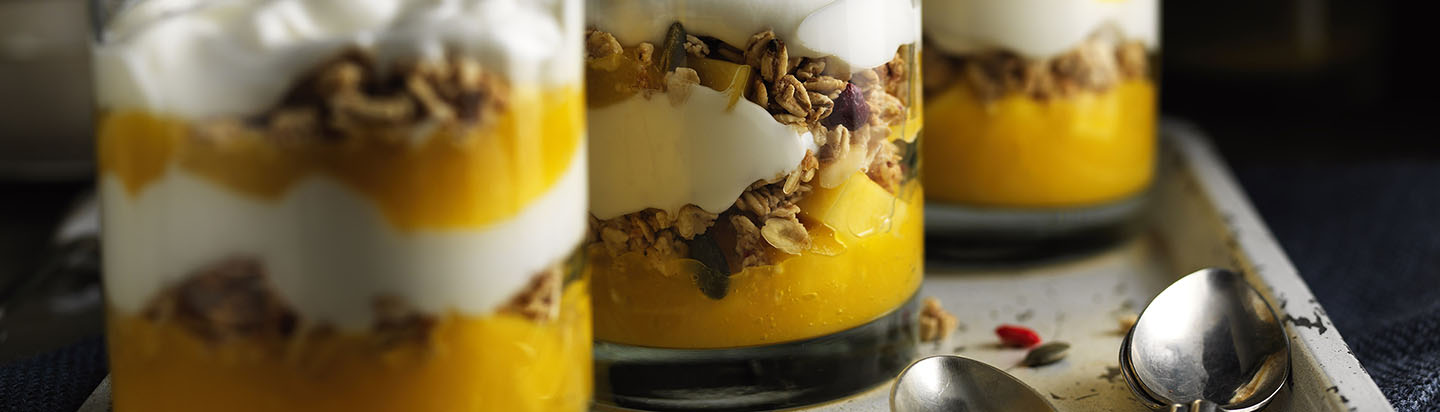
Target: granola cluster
<point x="936" y="324"/>
<point x="351" y="96"/>
<point x="849" y="113"/>
<point x="653" y="232"/>
<point x="228" y="300"/>
<point x="1096" y="65"/>
<point x="234" y="300"/>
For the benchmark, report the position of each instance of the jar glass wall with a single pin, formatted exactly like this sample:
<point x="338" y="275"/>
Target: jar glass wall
<point x="316" y="205"/>
<point x="1042" y="113"/>
<point x="755" y="198"/>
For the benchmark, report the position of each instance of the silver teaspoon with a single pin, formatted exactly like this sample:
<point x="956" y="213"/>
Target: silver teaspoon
<point x="952" y="383"/>
<point x="1209" y="342"/>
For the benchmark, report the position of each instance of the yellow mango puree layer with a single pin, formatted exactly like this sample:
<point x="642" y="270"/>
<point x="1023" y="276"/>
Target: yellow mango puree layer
<point x="498" y="362"/>
<point x="848" y="278"/>
<point x="454" y="177"/>
<point x="1089" y="149"/>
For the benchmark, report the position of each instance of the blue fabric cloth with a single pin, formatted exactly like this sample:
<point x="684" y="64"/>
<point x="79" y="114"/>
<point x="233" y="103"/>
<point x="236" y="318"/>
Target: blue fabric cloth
<point x="1366" y="238"/>
<point x="57" y="381"/>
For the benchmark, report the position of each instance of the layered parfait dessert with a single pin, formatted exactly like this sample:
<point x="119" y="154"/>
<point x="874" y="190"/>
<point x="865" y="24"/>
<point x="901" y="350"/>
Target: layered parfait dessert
<point x="1038" y="103"/>
<point x="753" y="169"/>
<point x="341" y="205"/>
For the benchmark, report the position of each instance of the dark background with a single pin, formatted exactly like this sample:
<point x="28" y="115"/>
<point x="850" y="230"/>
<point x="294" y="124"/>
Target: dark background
<point x="1323" y="109"/>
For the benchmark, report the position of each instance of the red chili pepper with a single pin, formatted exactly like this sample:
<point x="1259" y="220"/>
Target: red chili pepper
<point x="1017" y="336"/>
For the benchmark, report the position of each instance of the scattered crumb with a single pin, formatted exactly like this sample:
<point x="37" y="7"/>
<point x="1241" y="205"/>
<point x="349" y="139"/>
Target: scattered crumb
<point x="935" y="323"/>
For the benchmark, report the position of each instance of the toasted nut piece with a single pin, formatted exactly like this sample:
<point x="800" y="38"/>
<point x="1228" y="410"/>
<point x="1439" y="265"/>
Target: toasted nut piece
<point x="232" y="299"/>
<point x="790" y="95"/>
<point x="809" y="69"/>
<point x="599" y="44"/>
<point x="826" y="85"/>
<point x="787" y="118"/>
<point x="749" y="243"/>
<point x="694" y="46"/>
<point x="935" y="323"/>
<point x="645" y="54"/>
<point x="820" y="107"/>
<point x="397" y="323"/>
<point x="759" y="93"/>
<point x="788" y="235"/>
<point x="540" y="300"/>
<point x="693" y="221"/>
<point x="678" y="84"/>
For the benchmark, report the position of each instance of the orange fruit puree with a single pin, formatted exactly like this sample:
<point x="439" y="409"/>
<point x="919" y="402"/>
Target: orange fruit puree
<point x="866" y="269"/>
<point x="453" y="178"/>
<point x="1017" y="151"/>
<point x="498" y="362"/>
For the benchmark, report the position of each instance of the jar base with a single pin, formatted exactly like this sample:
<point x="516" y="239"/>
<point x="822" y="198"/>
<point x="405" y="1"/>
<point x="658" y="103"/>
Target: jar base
<point x="973" y="233"/>
<point x="776" y="376"/>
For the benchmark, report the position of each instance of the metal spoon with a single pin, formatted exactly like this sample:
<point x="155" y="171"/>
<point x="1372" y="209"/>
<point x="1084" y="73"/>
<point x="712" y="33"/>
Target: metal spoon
<point x="955" y="384"/>
<point x="1209" y="342"/>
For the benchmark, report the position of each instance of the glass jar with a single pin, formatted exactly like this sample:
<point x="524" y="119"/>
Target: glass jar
<point x="1042" y="114"/>
<point x="756" y="220"/>
<point x="339" y="205"/>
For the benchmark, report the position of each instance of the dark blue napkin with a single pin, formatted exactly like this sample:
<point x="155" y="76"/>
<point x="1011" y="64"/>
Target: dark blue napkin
<point x="1366" y="238"/>
<point x="56" y="381"/>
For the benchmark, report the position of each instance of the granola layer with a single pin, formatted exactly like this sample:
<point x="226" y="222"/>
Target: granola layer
<point x="842" y="191"/>
<point x="1096" y="66"/>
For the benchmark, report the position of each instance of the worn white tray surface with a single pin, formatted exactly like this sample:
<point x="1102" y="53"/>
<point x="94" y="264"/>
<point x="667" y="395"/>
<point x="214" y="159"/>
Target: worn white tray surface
<point x="1200" y="218"/>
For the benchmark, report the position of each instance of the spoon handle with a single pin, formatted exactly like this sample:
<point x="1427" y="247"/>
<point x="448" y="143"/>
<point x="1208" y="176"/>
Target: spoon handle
<point x="1197" y="406"/>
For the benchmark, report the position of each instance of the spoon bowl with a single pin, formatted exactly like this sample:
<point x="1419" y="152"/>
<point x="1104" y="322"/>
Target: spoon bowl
<point x="957" y="384"/>
<point x="1209" y="337"/>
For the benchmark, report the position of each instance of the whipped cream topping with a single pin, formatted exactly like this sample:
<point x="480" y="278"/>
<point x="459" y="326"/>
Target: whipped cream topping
<point x="1037" y="29"/>
<point x="861" y="33"/>
<point x="194" y="58"/>
<point x="329" y="251"/>
<point x="646" y="152"/>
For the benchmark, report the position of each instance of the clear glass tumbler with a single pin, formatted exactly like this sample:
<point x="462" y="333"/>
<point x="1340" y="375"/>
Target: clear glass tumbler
<point x="342" y="205"/>
<point x="756" y="218"/>
<point x="1042" y="115"/>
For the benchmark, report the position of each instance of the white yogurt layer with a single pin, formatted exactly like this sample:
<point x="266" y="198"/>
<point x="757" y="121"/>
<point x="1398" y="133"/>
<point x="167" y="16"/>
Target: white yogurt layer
<point x="646" y="152"/>
<point x="195" y="59"/>
<point x="861" y="33"/>
<point x="1037" y="29"/>
<point x="329" y="250"/>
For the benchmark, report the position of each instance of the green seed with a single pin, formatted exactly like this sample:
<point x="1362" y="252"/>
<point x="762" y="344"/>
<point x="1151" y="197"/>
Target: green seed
<point x="713" y="273"/>
<point x="1046" y="354"/>
<point x="673" y="55"/>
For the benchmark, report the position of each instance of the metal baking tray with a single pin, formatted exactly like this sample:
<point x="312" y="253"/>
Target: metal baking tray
<point x="1199" y="218"/>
